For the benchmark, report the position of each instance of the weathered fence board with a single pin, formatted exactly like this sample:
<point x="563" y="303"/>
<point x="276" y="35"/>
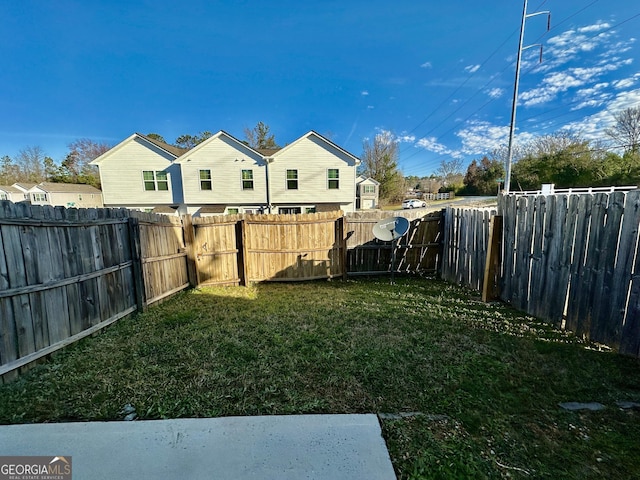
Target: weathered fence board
<point x="163" y="257"/>
<point x="574" y="263"/>
<point x="66" y="273"/>
<point x="419" y="250"/>
<point x="466" y="243"/>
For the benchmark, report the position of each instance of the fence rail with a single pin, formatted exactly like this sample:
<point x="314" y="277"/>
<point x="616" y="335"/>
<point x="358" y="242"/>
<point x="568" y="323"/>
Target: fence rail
<point x="62" y="276"/>
<point x="66" y="273"/>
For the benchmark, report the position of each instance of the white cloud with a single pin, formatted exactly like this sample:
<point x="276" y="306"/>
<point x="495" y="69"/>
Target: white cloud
<point x="406" y="138"/>
<point x="426" y="65"/>
<point x="480" y="137"/>
<point x="555" y="83"/>
<point x="496" y="92"/>
<point x="472" y="68"/>
<point x="431" y="144"/>
<point x="593" y="126"/>
<point x="626" y="82"/>
<point x="364" y="93"/>
<point x="566" y="46"/>
<point x="370" y="107"/>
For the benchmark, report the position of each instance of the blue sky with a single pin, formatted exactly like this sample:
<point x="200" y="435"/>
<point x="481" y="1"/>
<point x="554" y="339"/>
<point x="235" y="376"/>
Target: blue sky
<point x="439" y="75"/>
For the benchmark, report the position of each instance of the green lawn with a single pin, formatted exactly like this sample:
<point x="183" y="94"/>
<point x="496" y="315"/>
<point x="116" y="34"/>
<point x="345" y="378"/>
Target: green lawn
<point x="483" y="380"/>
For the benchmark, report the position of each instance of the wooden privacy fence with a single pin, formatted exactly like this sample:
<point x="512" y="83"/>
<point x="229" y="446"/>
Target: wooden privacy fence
<point x="465" y="245"/>
<point x="67" y="273"/>
<point x="418" y="251"/>
<point x="240" y="249"/>
<point x="573" y="260"/>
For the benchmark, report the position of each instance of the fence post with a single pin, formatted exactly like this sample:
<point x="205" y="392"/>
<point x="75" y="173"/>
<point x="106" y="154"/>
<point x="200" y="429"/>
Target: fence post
<point x="491" y="283"/>
<point x="189" y="245"/>
<point x="241" y="256"/>
<point x="341" y="237"/>
<point x="136" y="260"/>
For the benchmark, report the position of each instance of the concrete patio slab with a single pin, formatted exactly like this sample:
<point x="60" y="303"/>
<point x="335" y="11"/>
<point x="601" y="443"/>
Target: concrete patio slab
<point x="234" y="448"/>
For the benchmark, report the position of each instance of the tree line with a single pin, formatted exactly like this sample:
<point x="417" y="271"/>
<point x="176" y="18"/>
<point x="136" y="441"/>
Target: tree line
<point x="32" y="165"/>
<point x="562" y="158"/>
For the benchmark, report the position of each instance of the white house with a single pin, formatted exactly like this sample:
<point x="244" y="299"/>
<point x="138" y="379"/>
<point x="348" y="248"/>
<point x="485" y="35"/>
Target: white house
<point x="65" y="195"/>
<point x="12" y="193"/>
<point x="367" y="193"/>
<point x="140" y="173"/>
<point x="222" y="175"/>
<point x="312" y="174"/>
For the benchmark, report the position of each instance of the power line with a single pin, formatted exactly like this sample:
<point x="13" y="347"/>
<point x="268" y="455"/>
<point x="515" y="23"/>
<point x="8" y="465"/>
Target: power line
<point x="497" y="76"/>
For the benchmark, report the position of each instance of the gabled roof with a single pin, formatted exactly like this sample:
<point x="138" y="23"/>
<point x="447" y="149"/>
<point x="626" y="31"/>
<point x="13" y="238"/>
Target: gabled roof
<point x="52" y="187"/>
<point x="220" y="134"/>
<point x="323" y="139"/>
<point x="23" y="186"/>
<point x="362" y="179"/>
<point x="10" y="189"/>
<point x="175" y="152"/>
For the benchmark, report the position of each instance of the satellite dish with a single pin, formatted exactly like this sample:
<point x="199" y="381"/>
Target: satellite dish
<point x="391" y="228"/>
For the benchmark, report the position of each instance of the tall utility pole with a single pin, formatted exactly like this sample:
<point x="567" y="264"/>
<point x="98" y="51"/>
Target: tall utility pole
<point x="512" y="126"/>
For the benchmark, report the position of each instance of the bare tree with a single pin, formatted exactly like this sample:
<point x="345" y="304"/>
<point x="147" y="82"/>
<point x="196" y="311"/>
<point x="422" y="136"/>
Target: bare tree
<point x="380" y="162"/>
<point x="30" y="162"/>
<point x="450" y="171"/>
<point x="260" y="137"/>
<point x="626" y="130"/>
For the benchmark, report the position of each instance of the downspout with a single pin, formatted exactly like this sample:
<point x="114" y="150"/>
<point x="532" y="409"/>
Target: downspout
<point x="268" y="160"/>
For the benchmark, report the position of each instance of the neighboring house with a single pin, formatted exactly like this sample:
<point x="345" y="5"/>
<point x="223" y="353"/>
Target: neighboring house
<point x="140" y="173"/>
<point x="65" y="195"/>
<point x="312" y="174"/>
<point x="11" y="193"/>
<point x="367" y="193"/>
<point x="24" y="188"/>
<point x="222" y="175"/>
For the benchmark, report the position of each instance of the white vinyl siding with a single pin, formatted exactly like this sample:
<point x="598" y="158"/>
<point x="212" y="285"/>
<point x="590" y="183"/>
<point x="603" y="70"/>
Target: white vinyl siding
<point x="122" y="179"/>
<point x="312" y="158"/>
<point x="226" y="159"/>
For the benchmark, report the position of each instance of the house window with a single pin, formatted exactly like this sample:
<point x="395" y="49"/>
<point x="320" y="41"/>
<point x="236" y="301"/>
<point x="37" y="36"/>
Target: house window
<point x="333" y="178"/>
<point x="368" y="189"/>
<point x="289" y="210"/>
<point x="233" y="211"/>
<point x="155" y="180"/>
<point x="292" y="179"/>
<point x="247" y="179"/>
<point x="205" y="180"/>
<point x="3" y="196"/>
<point x="310" y="210"/>
<point x="39" y="197"/>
